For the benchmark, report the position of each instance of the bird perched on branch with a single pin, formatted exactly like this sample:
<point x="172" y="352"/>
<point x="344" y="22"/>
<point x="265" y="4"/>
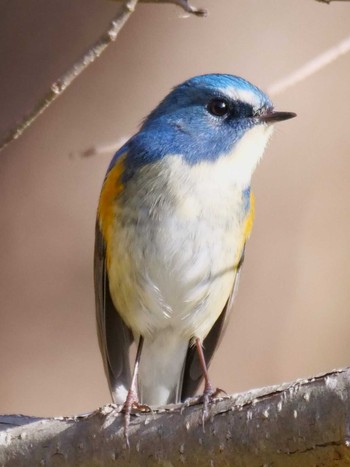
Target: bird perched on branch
<point x="174" y="215"/>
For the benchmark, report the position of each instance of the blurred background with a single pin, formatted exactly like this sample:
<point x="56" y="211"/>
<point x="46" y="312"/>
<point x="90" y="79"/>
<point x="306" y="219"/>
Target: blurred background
<point x="292" y="314"/>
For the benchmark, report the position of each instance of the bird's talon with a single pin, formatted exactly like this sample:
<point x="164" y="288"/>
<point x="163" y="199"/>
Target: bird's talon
<point x="217" y="392"/>
<point x="207" y="397"/>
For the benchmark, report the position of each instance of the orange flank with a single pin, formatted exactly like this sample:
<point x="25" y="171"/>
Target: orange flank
<point x="111" y="188"/>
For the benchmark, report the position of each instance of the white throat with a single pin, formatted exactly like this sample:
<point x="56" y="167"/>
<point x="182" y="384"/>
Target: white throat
<point x="247" y="153"/>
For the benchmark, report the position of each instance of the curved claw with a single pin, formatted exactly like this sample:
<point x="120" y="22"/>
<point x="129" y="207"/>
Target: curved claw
<point x="216" y="392"/>
<point x="209" y="394"/>
<point x="132" y="405"/>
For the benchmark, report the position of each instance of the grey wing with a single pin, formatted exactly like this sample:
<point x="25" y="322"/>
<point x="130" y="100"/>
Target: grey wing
<point x="193" y="374"/>
<point x="114" y="336"/>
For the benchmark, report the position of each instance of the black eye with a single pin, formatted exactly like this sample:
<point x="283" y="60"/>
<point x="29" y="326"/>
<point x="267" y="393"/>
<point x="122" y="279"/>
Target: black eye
<point x="218" y="107"/>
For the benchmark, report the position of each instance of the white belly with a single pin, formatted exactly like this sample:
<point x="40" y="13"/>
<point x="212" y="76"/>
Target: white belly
<point x="170" y="284"/>
<point x="174" y="275"/>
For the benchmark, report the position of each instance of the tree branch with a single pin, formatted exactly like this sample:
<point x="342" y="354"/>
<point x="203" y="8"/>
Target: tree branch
<point x="184" y="4"/>
<point x="329" y="1"/>
<point x="59" y="86"/>
<point x="303" y="423"/>
<point x="311" y="67"/>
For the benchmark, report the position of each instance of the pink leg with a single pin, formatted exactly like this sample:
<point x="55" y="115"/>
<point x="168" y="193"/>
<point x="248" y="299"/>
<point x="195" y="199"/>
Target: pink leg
<point x="132" y="401"/>
<point x="209" y="392"/>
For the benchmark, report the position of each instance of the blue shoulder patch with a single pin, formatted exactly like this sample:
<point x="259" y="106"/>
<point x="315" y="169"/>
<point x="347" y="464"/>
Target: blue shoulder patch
<point x="246" y="199"/>
<point x="116" y="156"/>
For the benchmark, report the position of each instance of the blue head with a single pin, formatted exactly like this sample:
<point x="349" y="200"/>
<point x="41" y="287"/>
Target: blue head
<point x="202" y="119"/>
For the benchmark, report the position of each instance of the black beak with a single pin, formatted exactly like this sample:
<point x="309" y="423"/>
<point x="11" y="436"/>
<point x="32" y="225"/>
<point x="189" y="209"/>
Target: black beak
<point x="271" y="116"/>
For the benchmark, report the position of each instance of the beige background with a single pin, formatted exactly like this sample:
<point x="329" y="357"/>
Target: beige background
<point x="292" y="316"/>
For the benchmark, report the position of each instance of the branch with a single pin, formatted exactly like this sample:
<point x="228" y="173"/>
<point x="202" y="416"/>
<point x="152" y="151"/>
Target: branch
<point x="329" y="1"/>
<point x="59" y="86"/>
<point x="184" y="4"/>
<point x="303" y="423"/>
<point x="311" y="67"/>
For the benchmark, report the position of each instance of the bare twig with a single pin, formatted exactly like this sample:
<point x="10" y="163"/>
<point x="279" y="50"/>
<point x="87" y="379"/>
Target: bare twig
<point x="329" y="1"/>
<point x="303" y="423"/>
<point x="184" y="4"/>
<point x="310" y="67"/>
<point x="59" y="86"/>
<point x="97" y="150"/>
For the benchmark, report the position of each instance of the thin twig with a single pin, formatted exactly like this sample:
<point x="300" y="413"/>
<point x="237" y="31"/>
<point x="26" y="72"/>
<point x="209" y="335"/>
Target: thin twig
<point x="310" y="67"/>
<point x="98" y="149"/>
<point x="184" y="4"/>
<point x="59" y="86"/>
<point x="329" y="1"/>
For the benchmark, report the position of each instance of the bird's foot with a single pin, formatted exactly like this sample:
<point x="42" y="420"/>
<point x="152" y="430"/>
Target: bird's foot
<point x="209" y="394"/>
<point x="132" y="405"/>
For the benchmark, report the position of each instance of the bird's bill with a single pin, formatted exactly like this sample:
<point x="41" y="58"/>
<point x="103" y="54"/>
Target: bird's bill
<point x="271" y="116"/>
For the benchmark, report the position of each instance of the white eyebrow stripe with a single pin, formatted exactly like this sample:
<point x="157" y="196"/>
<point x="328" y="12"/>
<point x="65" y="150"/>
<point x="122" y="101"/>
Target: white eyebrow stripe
<point x="243" y="95"/>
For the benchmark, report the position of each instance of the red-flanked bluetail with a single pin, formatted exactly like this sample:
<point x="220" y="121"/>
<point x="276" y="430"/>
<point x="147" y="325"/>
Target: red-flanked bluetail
<point x="174" y="216"/>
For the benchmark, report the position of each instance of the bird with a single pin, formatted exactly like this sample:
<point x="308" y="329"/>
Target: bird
<point x="174" y="215"/>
